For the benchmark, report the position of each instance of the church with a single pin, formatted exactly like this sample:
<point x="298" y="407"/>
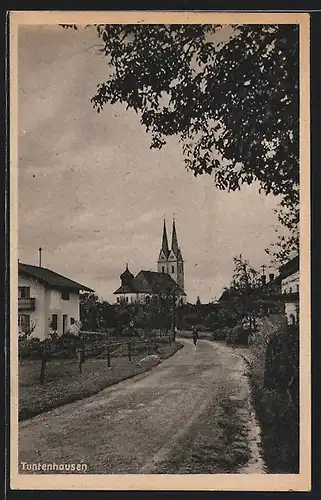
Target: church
<point x="167" y="280"/>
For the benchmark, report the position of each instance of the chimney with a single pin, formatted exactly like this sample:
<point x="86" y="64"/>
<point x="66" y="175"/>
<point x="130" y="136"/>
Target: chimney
<point x="263" y="279"/>
<point x="40" y="250"/>
<point x="271" y="276"/>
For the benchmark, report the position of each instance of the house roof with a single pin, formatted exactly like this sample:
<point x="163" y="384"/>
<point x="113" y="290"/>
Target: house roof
<point x="271" y="285"/>
<point x="151" y="282"/>
<point x="125" y="288"/>
<point x="290" y="267"/>
<point x="51" y="278"/>
<point x="224" y="296"/>
<point x="268" y="288"/>
<point x="281" y="297"/>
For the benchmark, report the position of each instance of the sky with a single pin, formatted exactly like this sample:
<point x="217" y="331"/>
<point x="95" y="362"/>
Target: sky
<point x="94" y="196"/>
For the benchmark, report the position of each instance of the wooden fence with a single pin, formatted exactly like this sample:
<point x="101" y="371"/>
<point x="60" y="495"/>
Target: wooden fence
<point x="127" y="347"/>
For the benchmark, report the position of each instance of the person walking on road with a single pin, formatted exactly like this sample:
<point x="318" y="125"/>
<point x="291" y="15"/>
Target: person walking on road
<point x="195" y="335"/>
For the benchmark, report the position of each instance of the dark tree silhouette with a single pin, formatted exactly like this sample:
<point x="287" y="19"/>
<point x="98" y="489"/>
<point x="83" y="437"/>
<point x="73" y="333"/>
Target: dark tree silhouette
<point x="230" y="93"/>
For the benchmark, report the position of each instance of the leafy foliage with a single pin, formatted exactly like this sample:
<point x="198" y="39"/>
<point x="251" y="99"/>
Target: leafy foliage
<point x="244" y="298"/>
<point x="286" y="246"/>
<point x="274" y="376"/>
<point x="96" y="314"/>
<point x="50" y="347"/>
<point x="47" y="349"/>
<point x="230" y="93"/>
<point x="124" y="317"/>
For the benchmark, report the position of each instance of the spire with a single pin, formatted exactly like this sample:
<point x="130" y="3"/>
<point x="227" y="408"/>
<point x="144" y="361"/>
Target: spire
<point x="174" y="239"/>
<point x="165" y="241"/>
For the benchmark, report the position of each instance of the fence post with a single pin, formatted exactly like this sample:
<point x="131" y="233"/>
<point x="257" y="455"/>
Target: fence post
<point x="108" y="357"/>
<point x="169" y="340"/>
<point x="43" y="370"/>
<point x="129" y="351"/>
<point x="80" y="359"/>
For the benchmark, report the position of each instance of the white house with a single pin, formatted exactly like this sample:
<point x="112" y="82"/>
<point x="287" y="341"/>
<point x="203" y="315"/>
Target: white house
<point x="47" y="301"/>
<point x="290" y="288"/>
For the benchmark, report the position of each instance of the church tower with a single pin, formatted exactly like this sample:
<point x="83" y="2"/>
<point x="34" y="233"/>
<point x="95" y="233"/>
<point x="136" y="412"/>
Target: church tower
<point x="175" y="260"/>
<point x="162" y="263"/>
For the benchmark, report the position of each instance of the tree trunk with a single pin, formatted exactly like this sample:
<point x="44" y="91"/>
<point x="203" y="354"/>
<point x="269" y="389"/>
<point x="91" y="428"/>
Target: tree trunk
<point x="43" y="370"/>
<point x="174" y="317"/>
<point x="160" y="319"/>
<point x="80" y="360"/>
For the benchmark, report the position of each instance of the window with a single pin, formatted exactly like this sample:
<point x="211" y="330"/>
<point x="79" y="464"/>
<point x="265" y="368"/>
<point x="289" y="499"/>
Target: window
<point x="72" y="320"/>
<point x="54" y="322"/>
<point x="163" y="269"/>
<point x="118" y="300"/>
<point x="24" y="292"/>
<point x="173" y="269"/>
<point x="65" y="295"/>
<point x="126" y="299"/>
<point x="24" y="321"/>
<point x="147" y="299"/>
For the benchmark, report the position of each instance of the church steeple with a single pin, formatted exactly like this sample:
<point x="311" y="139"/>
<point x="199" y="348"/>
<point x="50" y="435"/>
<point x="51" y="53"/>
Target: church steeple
<point x="162" y="263"/>
<point x="126" y="277"/>
<point x="165" y="248"/>
<point x="174" y="239"/>
<point x="171" y="261"/>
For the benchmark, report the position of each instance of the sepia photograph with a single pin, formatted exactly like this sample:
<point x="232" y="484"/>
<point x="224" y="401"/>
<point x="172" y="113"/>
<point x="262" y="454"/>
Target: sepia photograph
<point x="159" y="195"/>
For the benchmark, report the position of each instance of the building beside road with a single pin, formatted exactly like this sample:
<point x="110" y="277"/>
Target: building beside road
<point x="169" y="278"/>
<point x="290" y="289"/>
<point x="47" y="301"/>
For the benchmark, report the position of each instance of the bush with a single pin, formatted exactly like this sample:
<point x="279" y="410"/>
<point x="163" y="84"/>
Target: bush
<point x="237" y="336"/>
<point x="279" y="422"/>
<point x="282" y="361"/>
<point x="203" y="329"/>
<point x="27" y="347"/>
<point x="129" y="331"/>
<point x="218" y="335"/>
<point x="63" y="354"/>
<point x="274" y="376"/>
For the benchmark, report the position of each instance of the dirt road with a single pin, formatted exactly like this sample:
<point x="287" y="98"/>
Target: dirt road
<point x="190" y="414"/>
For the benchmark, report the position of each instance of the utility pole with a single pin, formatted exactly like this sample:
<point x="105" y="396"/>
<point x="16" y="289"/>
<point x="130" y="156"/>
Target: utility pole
<point x="174" y="316"/>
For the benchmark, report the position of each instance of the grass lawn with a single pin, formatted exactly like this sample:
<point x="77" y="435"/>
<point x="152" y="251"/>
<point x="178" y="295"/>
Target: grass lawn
<point x="64" y="384"/>
<point x="217" y="443"/>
